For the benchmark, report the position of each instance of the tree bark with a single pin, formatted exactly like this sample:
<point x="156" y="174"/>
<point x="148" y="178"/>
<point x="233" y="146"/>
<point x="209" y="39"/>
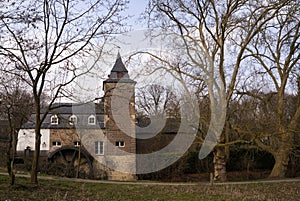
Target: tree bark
<point x="10" y="150"/>
<point x="282" y="156"/>
<point x="35" y="161"/>
<point x="220" y="173"/>
<point x="280" y="166"/>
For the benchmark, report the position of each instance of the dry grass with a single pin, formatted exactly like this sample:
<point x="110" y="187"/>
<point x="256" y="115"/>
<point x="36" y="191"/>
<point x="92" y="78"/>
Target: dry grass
<point x="66" y="190"/>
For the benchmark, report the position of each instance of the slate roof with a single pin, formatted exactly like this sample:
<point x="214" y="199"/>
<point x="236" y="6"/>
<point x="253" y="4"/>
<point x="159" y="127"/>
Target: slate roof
<point x="119" y="66"/>
<point x="81" y="108"/>
<point x="119" y="73"/>
<point x="65" y="110"/>
<point x="171" y="126"/>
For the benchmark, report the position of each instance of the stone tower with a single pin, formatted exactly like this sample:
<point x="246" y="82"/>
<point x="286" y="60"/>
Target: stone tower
<point x="119" y="119"/>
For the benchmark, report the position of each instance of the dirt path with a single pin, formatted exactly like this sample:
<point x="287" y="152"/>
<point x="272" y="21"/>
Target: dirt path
<point x="157" y="183"/>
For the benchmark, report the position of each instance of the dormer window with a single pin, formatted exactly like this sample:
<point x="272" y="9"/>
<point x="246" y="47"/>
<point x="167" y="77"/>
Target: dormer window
<point x="92" y="120"/>
<point x="54" y="119"/>
<point x="73" y="120"/>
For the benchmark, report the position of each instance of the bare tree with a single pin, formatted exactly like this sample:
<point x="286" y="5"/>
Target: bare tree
<point x="156" y="100"/>
<point x="45" y="42"/>
<point x="16" y="105"/>
<point x="213" y="37"/>
<point x="276" y="54"/>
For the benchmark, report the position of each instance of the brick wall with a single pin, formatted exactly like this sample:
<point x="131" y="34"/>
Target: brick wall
<point x="66" y="137"/>
<point x="124" y="111"/>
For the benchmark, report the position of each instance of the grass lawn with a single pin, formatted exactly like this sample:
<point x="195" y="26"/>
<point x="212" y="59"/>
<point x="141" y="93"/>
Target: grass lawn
<point x="67" y="190"/>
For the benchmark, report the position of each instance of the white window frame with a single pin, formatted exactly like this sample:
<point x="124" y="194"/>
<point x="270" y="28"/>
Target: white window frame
<point x="99" y="148"/>
<point x="54" y="122"/>
<point x="56" y="144"/>
<point x="77" y="143"/>
<point x="73" y="120"/>
<point x="120" y="144"/>
<point x="92" y="117"/>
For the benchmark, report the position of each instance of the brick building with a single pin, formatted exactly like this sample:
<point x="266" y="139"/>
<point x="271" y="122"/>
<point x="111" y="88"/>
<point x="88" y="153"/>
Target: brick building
<point x="92" y="139"/>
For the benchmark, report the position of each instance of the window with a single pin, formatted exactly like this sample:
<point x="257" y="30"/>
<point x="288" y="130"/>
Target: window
<point x="44" y="144"/>
<point x="120" y="75"/>
<point x="76" y="143"/>
<point x="99" y="148"/>
<point x="73" y="120"/>
<point x="102" y="124"/>
<point x="56" y="143"/>
<point x="92" y="120"/>
<point x="54" y="119"/>
<point x="120" y="144"/>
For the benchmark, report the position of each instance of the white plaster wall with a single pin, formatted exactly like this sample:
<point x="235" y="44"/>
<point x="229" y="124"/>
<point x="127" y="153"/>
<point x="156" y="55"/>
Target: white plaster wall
<point x="45" y="139"/>
<point x="26" y="138"/>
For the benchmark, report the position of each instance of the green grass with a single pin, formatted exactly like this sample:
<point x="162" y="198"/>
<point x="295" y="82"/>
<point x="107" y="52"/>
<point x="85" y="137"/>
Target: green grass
<point x="67" y="190"/>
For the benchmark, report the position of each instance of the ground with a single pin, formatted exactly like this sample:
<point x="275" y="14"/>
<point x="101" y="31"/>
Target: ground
<point x="84" y="190"/>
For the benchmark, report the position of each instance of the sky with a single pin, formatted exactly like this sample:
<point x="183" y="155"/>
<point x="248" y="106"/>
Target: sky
<point x="135" y="8"/>
<point x="129" y="43"/>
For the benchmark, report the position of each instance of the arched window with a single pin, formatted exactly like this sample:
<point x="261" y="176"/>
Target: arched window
<point x="120" y="143"/>
<point x="54" y="119"/>
<point x="73" y="120"/>
<point x="92" y="120"/>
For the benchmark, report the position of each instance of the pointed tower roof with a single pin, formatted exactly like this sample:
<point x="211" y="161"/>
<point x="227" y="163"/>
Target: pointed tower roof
<point x="119" y="66"/>
<point x="119" y="73"/>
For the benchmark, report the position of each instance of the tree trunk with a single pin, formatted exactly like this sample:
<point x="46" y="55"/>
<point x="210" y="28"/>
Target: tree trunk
<point x="9" y="162"/>
<point x="12" y="179"/>
<point x="11" y="171"/>
<point x="35" y="161"/>
<point x="220" y="164"/>
<point x="79" y="161"/>
<point x="281" y="163"/>
<point x="10" y="152"/>
<point x="221" y="155"/>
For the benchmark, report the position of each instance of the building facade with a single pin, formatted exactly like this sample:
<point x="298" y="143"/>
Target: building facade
<point x="95" y="140"/>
